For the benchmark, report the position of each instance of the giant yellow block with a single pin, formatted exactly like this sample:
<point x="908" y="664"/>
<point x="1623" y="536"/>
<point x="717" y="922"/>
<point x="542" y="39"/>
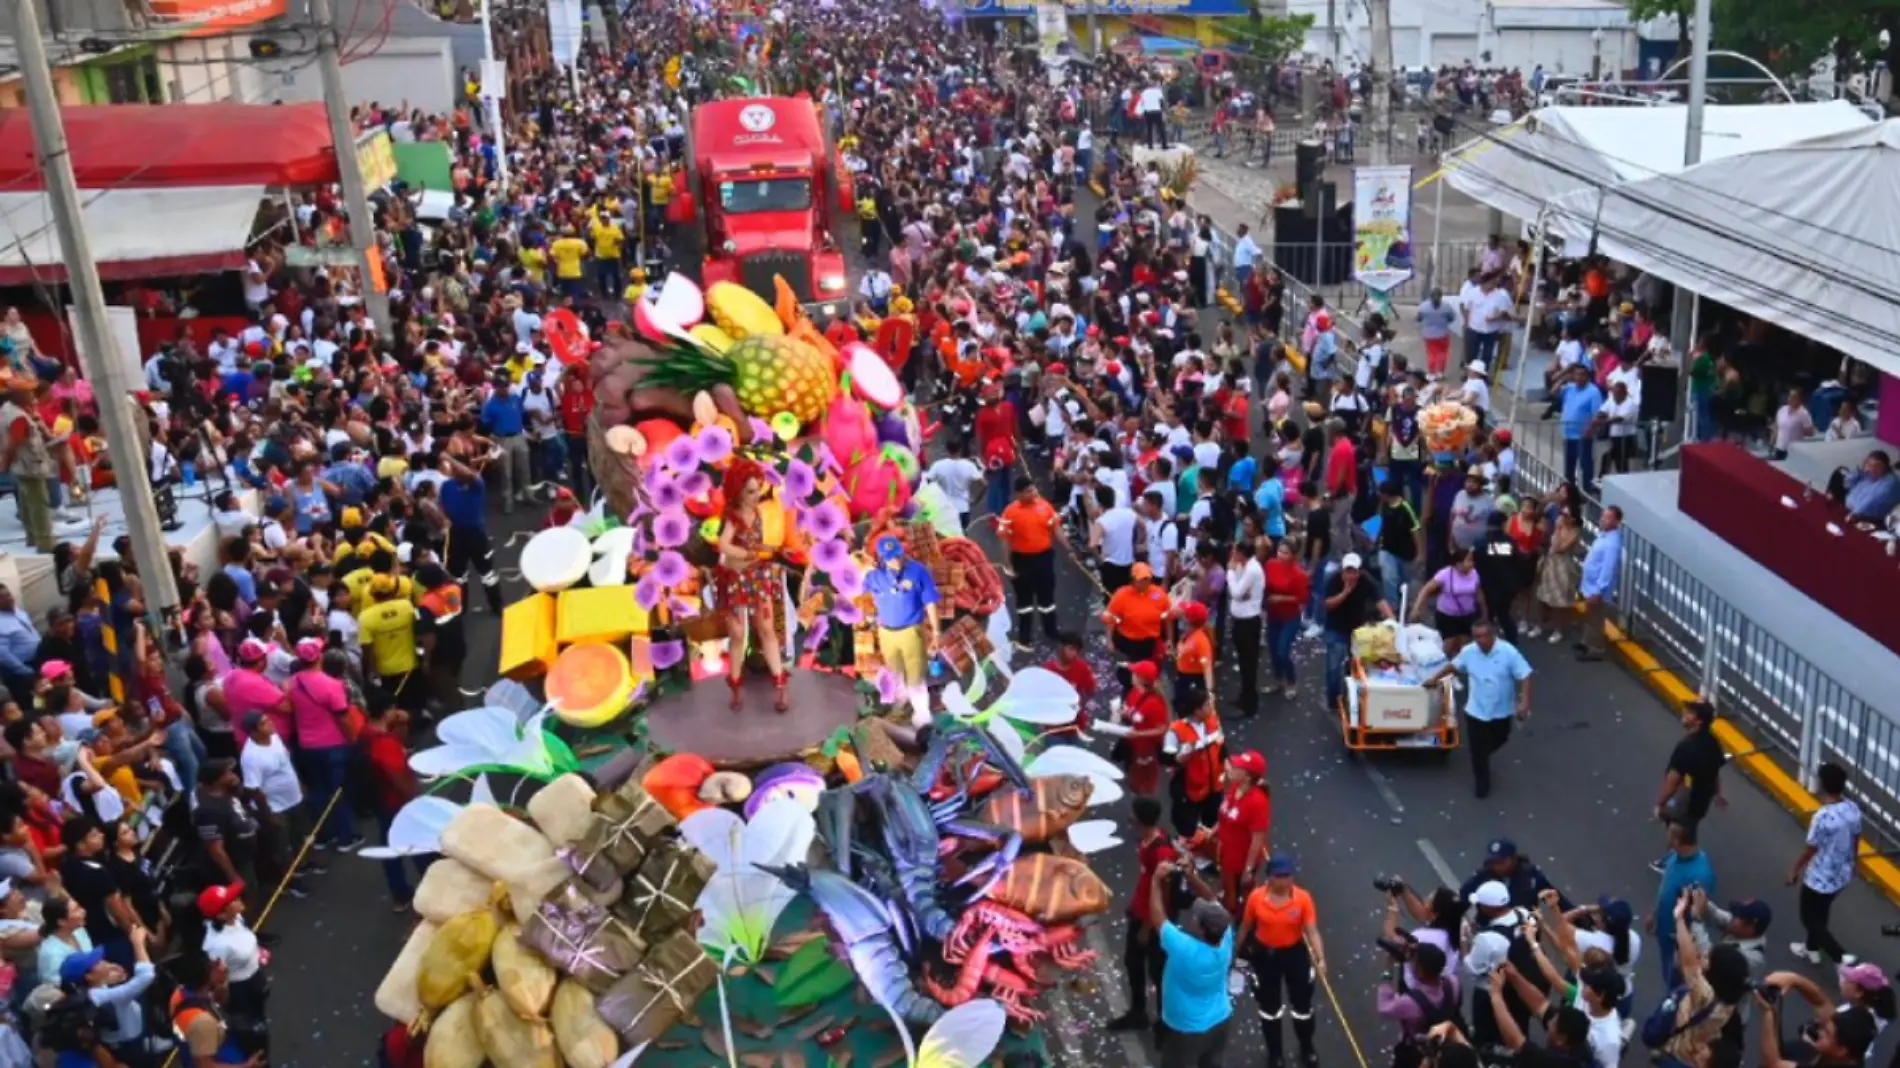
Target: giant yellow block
<point x="599" y="614"/>
<point x="528" y="647"/>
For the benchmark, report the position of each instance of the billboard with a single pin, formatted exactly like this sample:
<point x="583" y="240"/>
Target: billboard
<point x="1382" y="226"/>
<point x="1028" y="8"/>
<point x="376" y="159"/>
<point x="200" y="18"/>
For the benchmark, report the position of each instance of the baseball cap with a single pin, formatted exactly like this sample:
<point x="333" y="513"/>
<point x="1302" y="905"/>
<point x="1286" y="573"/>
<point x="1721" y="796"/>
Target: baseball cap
<point x="215" y="899"/>
<point x="1865" y="975"/>
<point x="310" y="650"/>
<point x="1488" y="950"/>
<point x="75" y="968"/>
<point x="1615" y="909"/>
<point x="1251" y="762"/>
<point x="1281" y="865"/>
<point x="1351" y="562"/>
<point x="382" y="585"/>
<point x="1209" y="919"/>
<point x="1141" y="571"/>
<point x="53" y="669"/>
<point x="352" y="518"/>
<point x="1145" y="670"/>
<point x="1500" y="849"/>
<point x="1491" y="895"/>
<point x="889" y="547"/>
<point x="1755" y="911"/>
<point x="253" y="649"/>
<point x="1194" y="612"/>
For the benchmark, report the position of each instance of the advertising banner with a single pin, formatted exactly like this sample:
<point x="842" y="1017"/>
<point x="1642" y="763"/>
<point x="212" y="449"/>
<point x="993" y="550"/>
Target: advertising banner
<point x="202" y="18"/>
<point x="1052" y="27"/>
<point x="564" y="30"/>
<point x="1382" y="226"/>
<point x="376" y="158"/>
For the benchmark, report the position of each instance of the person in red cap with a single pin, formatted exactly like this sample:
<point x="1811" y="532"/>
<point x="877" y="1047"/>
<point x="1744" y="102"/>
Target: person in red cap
<point x="232" y="943"/>
<point x="997" y="425"/>
<point x="1146" y="716"/>
<point x="1193" y="660"/>
<point x="1240" y="834"/>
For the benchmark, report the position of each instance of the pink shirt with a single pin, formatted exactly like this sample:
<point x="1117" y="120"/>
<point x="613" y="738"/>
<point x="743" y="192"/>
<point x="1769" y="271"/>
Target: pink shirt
<point x="246" y="691"/>
<point x="316" y="700"/>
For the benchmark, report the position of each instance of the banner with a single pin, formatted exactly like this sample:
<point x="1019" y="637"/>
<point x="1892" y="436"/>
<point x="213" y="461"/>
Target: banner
<point x="376" y="159"/>
<point x="1381" y="226"/>
<point x="203" y="18"/>
<point x="1052" y="28"/>
<point x="564" y="30"/>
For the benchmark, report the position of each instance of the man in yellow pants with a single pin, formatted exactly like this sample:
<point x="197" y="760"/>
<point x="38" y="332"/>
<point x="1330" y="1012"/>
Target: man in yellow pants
<point x="905" y="598"/>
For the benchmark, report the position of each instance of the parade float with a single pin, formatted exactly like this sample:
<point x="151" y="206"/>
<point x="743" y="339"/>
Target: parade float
<point x="870" y="854"/>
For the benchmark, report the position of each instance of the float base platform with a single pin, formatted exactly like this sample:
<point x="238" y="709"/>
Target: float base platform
<point x="699" y="720"/>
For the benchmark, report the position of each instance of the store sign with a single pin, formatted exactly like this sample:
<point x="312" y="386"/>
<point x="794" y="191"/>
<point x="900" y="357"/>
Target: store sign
<point x="1382" y="226"/>
<point x="376" y="159"/>
<point x="201" y="18"/>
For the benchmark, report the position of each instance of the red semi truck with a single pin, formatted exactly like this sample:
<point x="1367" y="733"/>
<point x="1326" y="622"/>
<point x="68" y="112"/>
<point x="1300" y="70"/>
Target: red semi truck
<point x="767" y="194"/>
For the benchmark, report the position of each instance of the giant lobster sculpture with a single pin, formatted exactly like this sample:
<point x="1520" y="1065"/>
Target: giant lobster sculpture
<point x="935" y="901"/>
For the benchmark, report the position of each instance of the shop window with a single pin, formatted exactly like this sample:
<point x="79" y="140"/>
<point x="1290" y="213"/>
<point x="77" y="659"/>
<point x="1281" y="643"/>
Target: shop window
<point x="153" y="84"/>
<point x="123" y="85"/>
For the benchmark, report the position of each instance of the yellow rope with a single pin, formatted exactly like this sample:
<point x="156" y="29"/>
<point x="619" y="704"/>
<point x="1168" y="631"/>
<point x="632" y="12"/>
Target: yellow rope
<point x="296" y="862"/>
<point x="1344" y="1023"/>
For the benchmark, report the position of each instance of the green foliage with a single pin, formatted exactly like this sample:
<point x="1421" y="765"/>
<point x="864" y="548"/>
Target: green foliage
<point x="811" y="975"/>
<point x="1266" y="38"/>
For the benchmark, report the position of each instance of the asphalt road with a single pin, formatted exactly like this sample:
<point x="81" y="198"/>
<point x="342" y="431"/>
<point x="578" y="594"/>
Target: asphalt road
<point x="1573" y="789"/>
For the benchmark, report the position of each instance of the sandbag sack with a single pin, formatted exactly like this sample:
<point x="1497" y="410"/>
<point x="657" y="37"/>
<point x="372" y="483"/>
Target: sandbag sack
<point x="453" y="1042"/>
<point x="396" y="994"/>
<point x="450" y="888"/>
<point x="563" y="809"/>
<point x="506" y="849"/>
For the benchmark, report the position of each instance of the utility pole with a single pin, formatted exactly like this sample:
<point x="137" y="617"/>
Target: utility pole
<point x="493" y="85"/>
<point x="1682" y="318"/>
<point x="105" y="366"/>
<point x="355" y="196"/>
<point x="1380" y="13"/>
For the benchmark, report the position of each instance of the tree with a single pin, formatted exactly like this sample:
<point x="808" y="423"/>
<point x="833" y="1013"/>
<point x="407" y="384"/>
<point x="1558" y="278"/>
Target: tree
<point x="1679" y="10"/>
<point x="1266" y="39"/>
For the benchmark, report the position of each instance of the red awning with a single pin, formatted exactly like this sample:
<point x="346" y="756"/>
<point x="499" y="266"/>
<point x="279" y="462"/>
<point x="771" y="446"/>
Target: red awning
<point x="143" y="146"/>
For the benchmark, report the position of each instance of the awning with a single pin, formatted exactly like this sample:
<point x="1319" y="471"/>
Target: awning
<point x="135" y="233"/>
<point x="1554" y="151"/>
<point x="1801" y="236"/>
<point x="131" y="145"/>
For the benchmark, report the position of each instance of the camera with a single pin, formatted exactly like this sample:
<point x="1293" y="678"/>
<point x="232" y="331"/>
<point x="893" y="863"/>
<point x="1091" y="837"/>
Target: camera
<point x="1389" y="884"/>
<point x="1400" y="948"/>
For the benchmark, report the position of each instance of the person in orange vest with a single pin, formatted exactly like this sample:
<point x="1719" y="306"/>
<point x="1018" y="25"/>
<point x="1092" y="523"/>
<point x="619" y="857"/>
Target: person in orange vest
<point x="439" y="631"/>
<point x="1197" y="747"/>
<point x="197" y="1012"/>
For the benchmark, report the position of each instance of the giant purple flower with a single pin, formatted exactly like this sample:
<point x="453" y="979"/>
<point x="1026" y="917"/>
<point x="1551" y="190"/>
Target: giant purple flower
<point x="671" y="569"/>
<point x="715" y="444"/>
<point x="825" y="522"/>
<point x="667" y="654"/>
<point x="696" y="484"/>
<point x="848" y="579"/>
<point x="669" y="497"/>
<point x="848" y="613"/>
<point x="831" y="555"/>
<point x="827" y="460"/>
<point x="682" y="454"/>
<point x="816" y="634"/>
<point x="890" y="686"/>
<point x="647" y="592"/>
<point x="800" y="480"/>
<point x="671" y="529"/>
<point x="684" y="608"/>
<point x="761" y="430"/>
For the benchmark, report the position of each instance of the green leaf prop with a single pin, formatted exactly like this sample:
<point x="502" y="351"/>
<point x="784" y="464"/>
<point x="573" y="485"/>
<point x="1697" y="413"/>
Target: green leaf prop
<point x="810" y="976"/>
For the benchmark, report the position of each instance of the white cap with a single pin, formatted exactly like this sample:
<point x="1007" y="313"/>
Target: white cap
<point x="1352" y="562"/>
<point x="1491" y="895"/>
<point x="1488" y="950"/>
<point x="1477" y="368"/>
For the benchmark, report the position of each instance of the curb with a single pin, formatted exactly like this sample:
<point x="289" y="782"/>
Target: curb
<point x="1883" y="874"/>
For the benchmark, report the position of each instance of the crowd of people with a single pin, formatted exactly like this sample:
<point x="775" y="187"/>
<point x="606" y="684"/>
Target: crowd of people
<point x="1216" y="479"/>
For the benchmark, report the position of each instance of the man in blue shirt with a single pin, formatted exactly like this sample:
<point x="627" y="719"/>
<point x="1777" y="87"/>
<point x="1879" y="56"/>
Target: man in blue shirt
<point x="465" y="505"/>
<point x="1602" y="567"/>
<point x="1246" y="250"/>
<point x="504" y="418"/>
<point x="350" y="473"/>
<point x="1195" y="1007"/>
<point x="1498" y="689"/>
<point x="19" y="649"/>
<point x="1686" y="867"/>
<point x="1874" y="490"/>
<point x="1580" y="400"/>
<point x="905" y="597"/>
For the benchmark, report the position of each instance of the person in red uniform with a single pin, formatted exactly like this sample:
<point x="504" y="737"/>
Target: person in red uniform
<point x="1146" y="717"/>
<point x="1142" y="957"/>
<point x="996" y="430"/>
<point x="1240" y="836"/>
<point x="392" y="784"/>
<point x="1069" y="664"/>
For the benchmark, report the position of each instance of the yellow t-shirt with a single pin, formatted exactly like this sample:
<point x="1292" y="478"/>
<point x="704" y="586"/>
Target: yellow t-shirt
<point x="358" y="582"/>
<point x="536" y="262"/>
<point x="518" y="367"/>
<point x="608" y="238"/>
<point x="393" y="467"/>
<point x="659" y="189"/>
<point x="389" y="633"/>
<point x="633" y="292"/>
<point x="568" y="253"/>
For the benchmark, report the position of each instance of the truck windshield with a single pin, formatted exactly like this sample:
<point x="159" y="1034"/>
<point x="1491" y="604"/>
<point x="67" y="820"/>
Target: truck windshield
<point x="765" y="194"/>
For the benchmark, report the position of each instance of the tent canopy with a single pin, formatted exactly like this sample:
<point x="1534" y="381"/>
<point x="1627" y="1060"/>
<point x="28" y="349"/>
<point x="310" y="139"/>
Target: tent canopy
<point x="178" y="145"/>
<point x="135" y="233"/>
<point x="1806" y="236"/>
<point x="1559" y="150"/>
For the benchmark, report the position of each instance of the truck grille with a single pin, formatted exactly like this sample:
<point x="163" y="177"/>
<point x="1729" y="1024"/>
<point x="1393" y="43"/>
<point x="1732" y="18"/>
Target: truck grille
<point x="756" y="272"/>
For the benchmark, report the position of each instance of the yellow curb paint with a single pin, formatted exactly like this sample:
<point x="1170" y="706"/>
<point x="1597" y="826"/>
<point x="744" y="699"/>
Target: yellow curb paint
<point x="1883" y="873"/>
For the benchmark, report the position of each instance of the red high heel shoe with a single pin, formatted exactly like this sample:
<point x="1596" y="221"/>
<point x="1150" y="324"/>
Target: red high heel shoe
<point x="734" y="685"/>
<point x="780" y="702"/>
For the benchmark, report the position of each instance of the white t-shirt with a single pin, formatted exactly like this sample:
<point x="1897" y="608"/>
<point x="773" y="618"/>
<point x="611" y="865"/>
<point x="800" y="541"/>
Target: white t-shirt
<point x="956" y="476"/>
<point x="1480" y="392"/>
<point x="343" y="623"/>
<point x="1569" y="352"/>
<point x="267" y="769"/>
<point x="1207" y="455"/>
<point x="1792" y="425"/>
<point x="1624" y="413"/>
<point x="235" y="945"/>
<point x="541" y="415"/>
<point x="1588" y="940"/>
<point x="105" y="800"/>
<point x="1118" y="536"/>
<point x="1606" y="1039"/>
<point x="1487" y="314"/>
<point x="1116" y="479"/>
<point x="1164" y="539"/>
<point x="1151" y="100"/>
<point x="1246" y="590"/>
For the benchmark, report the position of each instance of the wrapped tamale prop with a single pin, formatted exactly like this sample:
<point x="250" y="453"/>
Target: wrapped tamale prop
<point x="964" y="645"/>
<point x="663" y="988"/>
<point x="627" y="824"/>
<point x="659" y="897"/>
<point x="580" y="938"/>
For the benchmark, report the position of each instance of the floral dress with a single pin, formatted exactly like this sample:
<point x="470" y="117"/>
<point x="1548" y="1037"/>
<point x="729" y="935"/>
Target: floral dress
<point x="753" y="586"/>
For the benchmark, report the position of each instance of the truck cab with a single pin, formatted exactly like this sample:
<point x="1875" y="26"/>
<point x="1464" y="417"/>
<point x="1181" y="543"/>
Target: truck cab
<point x="767" y="194"/>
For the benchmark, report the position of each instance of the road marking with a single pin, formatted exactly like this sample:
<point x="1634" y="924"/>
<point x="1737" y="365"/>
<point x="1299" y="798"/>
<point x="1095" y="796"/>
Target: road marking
<point x="1382" y="783"/>
<point x="1109" y="970"/>
<point x="1437" y="861"/>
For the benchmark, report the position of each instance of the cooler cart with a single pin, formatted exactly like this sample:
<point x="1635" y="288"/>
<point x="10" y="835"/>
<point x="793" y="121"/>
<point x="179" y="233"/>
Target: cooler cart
<point x="1381" y="715"/>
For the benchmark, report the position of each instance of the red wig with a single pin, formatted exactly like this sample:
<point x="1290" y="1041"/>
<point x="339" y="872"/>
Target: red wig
<point x="738" y="476"/>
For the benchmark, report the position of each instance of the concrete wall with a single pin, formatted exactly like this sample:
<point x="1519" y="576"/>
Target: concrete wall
<point x="206" y="70"/>
<point x="419" y="70"/>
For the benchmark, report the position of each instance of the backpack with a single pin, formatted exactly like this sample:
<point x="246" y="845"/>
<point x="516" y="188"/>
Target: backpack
<point x="1430" y="1015"/>
<point x="1660" y="1027"/>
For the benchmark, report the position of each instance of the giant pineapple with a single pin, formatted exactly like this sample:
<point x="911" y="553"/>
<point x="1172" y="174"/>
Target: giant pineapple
<point x="771" y="373"/>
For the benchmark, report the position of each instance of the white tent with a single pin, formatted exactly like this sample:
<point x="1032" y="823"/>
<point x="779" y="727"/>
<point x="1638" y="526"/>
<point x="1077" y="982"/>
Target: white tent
<point x="135" y="233"/>
<point x="1805" y="235"/>
<point x="1558" y="150"/>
